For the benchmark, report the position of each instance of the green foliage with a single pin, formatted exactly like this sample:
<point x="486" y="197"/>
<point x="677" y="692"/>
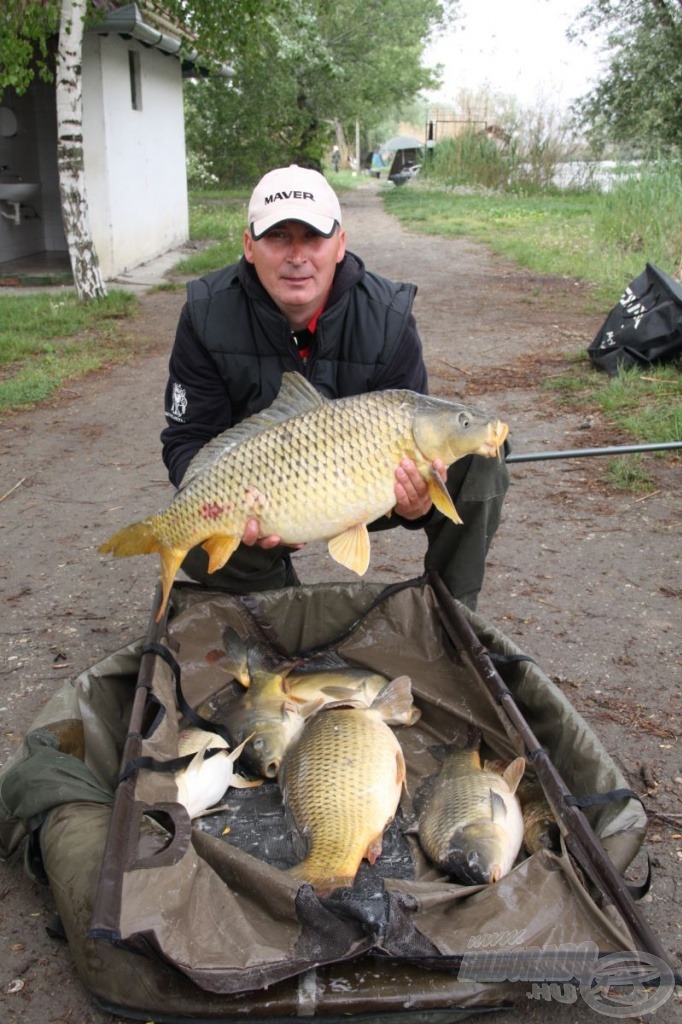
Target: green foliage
<point x="313" y="64"/>
<point x="639" y="97"/>
<point x="469" y="159"/>
<point x="25" y="29"/>
<point x="604" y="238"/>
<point x="643" y="212"/>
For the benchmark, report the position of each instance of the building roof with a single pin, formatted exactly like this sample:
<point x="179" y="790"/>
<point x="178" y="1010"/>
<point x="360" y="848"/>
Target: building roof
<point x="152" y="30"/>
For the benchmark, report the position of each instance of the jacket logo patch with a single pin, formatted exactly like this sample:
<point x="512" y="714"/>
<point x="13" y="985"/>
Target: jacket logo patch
<point x="178" y="404"/>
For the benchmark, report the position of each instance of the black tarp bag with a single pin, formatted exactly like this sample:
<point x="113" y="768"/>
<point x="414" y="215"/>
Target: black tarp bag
<point x="645" y="327"/>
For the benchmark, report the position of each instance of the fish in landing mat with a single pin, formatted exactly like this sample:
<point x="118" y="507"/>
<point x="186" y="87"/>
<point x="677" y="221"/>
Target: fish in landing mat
<point x="205" y="779"/>
<point x="307" y="469"/>
<point x="324" y="680"/>
<point x="341" y="780"/>
<point x="470" y="824"/>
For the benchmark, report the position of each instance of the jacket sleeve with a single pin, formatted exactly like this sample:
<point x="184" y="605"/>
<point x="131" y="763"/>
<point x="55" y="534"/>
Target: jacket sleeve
<point x="197" y="406"/>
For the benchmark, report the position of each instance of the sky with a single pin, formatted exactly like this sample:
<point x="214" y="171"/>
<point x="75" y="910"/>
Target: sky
<point x="518" y="48"/>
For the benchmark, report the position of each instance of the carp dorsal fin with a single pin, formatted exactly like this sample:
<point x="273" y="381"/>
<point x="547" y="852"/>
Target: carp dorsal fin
<point x="394" y="702"/>
<point x="438" y="493"/>
<point x="351" y="548"/>
<point x="296" y="396"/>
<point x="513" y="773"/>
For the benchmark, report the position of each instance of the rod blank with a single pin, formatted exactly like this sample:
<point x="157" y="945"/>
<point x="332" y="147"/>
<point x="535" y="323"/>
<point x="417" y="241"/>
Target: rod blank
<point x="579" y="453"/>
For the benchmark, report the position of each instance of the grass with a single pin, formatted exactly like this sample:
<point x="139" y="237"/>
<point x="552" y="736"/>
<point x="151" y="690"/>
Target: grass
<point x="48" y="338"/>
<point x="553" y="234"/>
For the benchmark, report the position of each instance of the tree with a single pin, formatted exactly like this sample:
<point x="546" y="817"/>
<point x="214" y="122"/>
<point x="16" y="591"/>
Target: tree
<point x="318" y="62"/>
<point x="639" y="97"/>
<point x="84" y="262"/>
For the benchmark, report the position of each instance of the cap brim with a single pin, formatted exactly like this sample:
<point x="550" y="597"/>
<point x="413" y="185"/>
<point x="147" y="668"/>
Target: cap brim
<point x="324" y="226"/>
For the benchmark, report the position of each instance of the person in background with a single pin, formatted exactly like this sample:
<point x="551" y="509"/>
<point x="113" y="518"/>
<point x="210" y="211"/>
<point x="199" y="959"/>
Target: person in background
<point x="336" y="159"/>
<point x="299" y="300"/>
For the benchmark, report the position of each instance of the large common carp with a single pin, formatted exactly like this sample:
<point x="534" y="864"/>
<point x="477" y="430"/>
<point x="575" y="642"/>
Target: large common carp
<point x="470" y="824"/>
<point x="308" y="468"/>
<point x="341" y="780"/>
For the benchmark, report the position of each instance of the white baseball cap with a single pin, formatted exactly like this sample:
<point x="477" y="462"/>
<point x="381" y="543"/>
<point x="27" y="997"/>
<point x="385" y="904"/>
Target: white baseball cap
<point x="293" y="193"/>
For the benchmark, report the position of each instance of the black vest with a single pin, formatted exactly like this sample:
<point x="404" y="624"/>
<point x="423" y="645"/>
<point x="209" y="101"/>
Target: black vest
<point x="250" y="340"/>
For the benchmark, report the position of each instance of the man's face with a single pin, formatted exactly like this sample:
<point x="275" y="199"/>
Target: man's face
<point x="296" y="266"/>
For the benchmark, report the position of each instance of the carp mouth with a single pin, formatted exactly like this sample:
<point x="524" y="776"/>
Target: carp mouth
<point x="495" y="437"/>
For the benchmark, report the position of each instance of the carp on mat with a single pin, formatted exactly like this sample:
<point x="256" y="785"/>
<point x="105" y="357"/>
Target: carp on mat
<point x="470" y="823"/>
<point x="323" y="680"/>
<point x="205" y="779"/>
<point x="341" y="780"/>
<point x="266" y="718"/>
<point x="308" y="468"/>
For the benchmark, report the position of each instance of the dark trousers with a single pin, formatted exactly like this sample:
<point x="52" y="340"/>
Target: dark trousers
<point x="456" y="552"/>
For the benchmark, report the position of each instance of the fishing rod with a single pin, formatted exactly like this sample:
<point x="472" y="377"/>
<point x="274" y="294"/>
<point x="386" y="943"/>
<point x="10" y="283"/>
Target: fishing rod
<point x="575" y="453"/>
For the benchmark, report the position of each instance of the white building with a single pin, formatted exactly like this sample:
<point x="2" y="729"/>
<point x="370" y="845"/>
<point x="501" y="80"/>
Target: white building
<point x="133" y="141"/>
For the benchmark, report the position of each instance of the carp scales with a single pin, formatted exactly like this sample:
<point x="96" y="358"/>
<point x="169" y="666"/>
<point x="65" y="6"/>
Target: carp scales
<point x="470" y="824"/>
<point x="205" y="779"/>
<point x="341" y="781"/>
<point x="309" y="468"/>
<point x="332" y="680"/>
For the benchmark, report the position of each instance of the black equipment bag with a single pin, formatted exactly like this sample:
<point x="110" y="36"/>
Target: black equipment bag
<point x="645" y="327"/>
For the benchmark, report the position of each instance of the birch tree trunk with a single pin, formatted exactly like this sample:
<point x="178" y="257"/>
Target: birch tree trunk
<point x="84" y="262"/>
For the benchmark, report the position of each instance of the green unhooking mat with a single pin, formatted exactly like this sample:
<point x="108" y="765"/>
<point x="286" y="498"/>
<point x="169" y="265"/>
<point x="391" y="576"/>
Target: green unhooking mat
<point x="180" y="919"/>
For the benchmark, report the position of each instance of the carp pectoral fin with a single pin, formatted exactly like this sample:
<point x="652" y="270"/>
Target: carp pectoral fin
<point x="513" y="773"/>
<point x="498" y="808"/>
<point x="374" y="848"/>
<point x="219" y="547"/>
<point x="171" y="560"/>
<point x="440" y="496"/>
<point x="351" y="548"/>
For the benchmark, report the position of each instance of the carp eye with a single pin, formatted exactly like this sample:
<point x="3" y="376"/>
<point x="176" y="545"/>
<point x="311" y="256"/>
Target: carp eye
<point x="464" y="420"/>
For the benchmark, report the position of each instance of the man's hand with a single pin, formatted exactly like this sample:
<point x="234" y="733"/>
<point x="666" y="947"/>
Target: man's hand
<point x="250" y="537"/>
<point x="411" y="490"/>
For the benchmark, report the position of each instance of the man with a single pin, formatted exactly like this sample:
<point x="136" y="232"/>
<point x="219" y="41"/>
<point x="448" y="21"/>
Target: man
<point x="297" y="300"/>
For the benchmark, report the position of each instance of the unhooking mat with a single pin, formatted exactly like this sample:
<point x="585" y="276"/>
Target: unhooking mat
<point x="199" y="920"/>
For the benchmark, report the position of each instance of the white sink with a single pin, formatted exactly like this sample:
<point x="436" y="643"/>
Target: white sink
<point x="17" y="191"/>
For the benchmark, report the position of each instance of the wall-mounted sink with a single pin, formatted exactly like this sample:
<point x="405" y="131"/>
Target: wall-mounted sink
<point x="17" y="191"/>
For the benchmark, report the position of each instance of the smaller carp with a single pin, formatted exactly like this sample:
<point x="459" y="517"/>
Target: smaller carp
<point x="325" y="681"/>
<point x="264" y="721"/>
<point x="341" y="780"/>
<point x="470" y="824"/>
<point x="205" y="779"/>
<point x="540" y="828"/>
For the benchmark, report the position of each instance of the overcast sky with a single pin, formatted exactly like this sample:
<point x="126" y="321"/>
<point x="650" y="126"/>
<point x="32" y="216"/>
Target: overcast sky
<point x="517" y="47"/>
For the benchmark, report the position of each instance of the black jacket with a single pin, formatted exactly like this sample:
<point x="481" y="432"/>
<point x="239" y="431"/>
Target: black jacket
<point x="233" y="344"/>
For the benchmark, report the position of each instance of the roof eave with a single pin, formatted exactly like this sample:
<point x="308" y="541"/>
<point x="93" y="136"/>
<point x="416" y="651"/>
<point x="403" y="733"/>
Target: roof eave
<point x="129" y="23"/>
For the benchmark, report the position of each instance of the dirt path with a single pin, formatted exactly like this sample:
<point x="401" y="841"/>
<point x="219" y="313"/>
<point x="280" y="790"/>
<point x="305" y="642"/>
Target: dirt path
<point x="586" y="581"/>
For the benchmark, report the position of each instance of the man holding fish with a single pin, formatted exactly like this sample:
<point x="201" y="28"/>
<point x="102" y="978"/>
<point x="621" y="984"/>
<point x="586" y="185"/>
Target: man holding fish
<point x="299" y="301"/>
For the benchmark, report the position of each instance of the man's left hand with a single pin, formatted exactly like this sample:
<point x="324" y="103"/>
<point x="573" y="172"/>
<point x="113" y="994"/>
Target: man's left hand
<point x="411" y="490"/>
